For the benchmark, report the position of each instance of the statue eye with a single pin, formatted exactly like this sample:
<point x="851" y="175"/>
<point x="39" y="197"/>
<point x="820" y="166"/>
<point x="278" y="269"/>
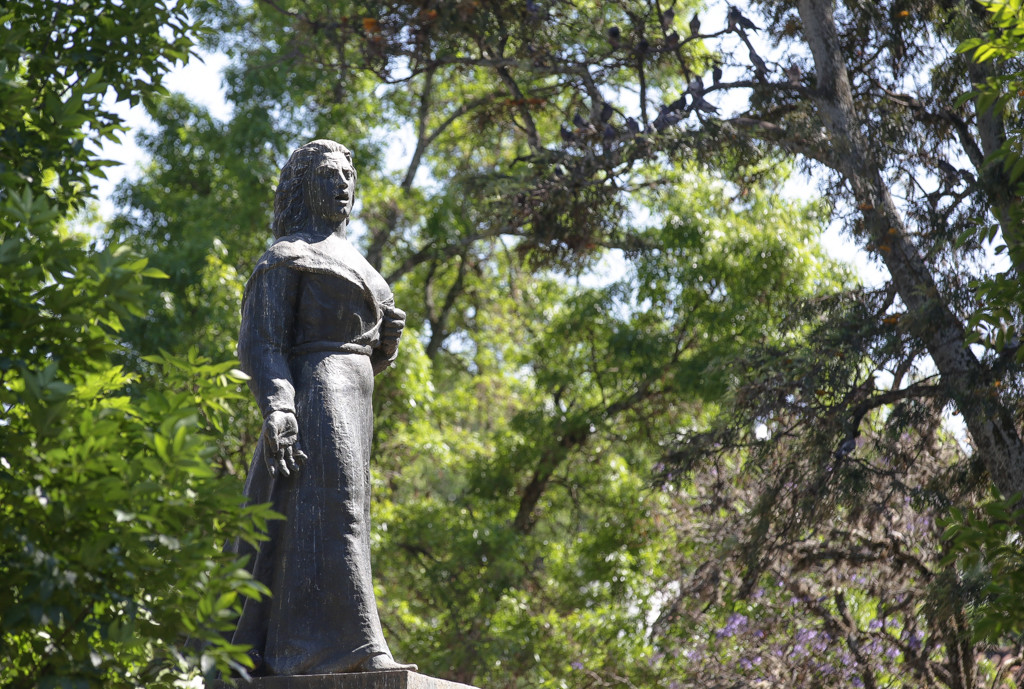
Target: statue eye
<point x="328" y="172"/>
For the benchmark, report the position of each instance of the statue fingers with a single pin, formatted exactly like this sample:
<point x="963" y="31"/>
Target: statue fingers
<point x="271" y="444"/>
<point x="278" y="430"/>
<point x="282" y="462"/>
<point x="393" y="313"/>
<point x="268" y="459"/>
<point x="300" y="456"/>
<point x="289" y="455"/>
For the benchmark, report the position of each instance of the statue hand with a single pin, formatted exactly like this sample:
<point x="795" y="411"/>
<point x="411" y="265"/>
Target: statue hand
<point x="281" y="449"/>
<point x="391" y="329"/>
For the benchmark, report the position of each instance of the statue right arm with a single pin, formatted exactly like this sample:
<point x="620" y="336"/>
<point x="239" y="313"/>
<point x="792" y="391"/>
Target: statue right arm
<point x="268" y="317"/>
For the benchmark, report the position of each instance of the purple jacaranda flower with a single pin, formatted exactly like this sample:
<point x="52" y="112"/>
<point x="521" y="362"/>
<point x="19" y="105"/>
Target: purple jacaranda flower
<point x="805" y="635"/>
<point x="577" y="665"/>
<point x="736" y="624"/>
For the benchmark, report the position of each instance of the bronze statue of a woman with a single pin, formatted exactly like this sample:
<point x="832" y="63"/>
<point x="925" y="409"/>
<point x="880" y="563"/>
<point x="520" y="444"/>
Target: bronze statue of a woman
<point x="318" y="323"/>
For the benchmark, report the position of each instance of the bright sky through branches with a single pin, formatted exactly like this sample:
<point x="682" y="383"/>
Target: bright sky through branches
<point x="201" y="82"/>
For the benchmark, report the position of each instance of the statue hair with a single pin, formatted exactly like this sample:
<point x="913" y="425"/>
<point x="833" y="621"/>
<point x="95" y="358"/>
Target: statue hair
<point x="290" y="209"/>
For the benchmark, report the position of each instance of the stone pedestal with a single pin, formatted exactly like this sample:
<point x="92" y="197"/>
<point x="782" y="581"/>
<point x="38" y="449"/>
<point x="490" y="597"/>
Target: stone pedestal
<point x="394" y="679"/>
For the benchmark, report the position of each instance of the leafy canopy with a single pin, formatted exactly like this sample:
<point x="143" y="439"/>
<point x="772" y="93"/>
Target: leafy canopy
<point x="114" y="517"/>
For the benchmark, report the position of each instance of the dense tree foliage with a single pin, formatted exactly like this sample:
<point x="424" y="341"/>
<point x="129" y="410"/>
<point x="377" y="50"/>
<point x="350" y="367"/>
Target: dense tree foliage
<point x="731" y="465"/>
<point x="792" y="421"/>
<point x="530" y="367"/>
<point x="112" y="515"/>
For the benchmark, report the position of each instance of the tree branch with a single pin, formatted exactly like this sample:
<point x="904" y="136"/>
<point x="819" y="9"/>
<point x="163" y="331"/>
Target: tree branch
<point x="432" y="251"/>
<point x="532" y="138"/>
<point x="439" y="321"/>
<point x="929" y="317"/>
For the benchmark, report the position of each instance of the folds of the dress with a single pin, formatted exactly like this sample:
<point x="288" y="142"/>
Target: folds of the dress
<point x="322" y="616"/>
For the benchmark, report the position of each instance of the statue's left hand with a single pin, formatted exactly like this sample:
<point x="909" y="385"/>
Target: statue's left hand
<point x="281" y="449"/>
<point x="391" y="329"/>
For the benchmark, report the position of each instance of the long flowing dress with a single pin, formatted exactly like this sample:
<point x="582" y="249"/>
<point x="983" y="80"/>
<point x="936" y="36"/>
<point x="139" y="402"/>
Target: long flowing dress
<point x="311" y="319"/>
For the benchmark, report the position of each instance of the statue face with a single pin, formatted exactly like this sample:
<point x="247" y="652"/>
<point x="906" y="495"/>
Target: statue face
<point x="330" y="187"/>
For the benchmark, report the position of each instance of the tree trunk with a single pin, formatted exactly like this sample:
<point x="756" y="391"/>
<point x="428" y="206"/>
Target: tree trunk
<point x="928" y="315"/>
<point x="993" y="178"/>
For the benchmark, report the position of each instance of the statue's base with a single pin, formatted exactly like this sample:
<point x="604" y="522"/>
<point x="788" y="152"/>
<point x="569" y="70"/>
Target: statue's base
<point x="392" y="679"/>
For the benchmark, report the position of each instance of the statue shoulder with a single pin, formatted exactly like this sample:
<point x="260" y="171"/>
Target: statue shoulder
<point x="374" y="280"/>
<point x="331" y="255"/>
<point x="285" y="252"/>
<point x="284" y="249"/>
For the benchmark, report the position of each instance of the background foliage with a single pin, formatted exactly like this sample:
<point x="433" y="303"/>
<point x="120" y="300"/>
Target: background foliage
<point x="729" y="465"/>
<point x="113" y="515"/>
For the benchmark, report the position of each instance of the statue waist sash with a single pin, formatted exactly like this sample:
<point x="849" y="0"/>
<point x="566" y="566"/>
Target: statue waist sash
<point x="318" y="346"/>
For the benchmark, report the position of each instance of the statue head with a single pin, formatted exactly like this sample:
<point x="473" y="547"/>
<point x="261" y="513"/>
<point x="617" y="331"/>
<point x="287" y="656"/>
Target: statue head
<point x="317" y="183"/>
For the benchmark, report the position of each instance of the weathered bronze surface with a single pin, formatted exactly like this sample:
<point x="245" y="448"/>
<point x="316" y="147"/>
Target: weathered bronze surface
<point x="318" y="323"/>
